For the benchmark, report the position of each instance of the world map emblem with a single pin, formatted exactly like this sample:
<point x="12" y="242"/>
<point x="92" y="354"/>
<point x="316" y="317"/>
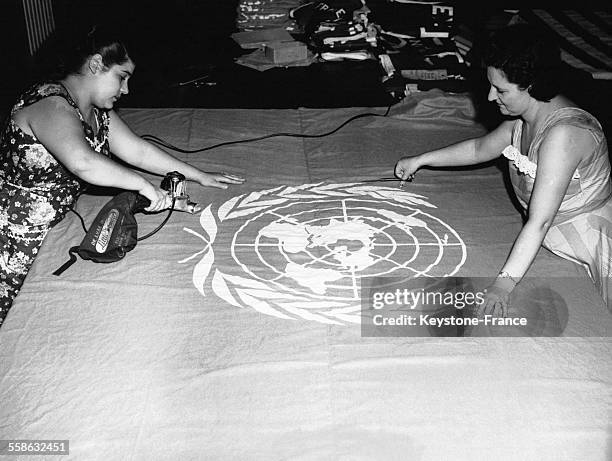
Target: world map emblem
<point x="303" y="252"/>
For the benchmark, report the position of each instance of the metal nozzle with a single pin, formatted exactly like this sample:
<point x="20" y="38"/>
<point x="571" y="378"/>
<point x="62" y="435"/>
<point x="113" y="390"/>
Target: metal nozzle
<point x="183" y="204"/>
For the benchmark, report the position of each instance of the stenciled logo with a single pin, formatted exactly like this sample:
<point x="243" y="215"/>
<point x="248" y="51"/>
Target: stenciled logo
<point x="303" y="251"/>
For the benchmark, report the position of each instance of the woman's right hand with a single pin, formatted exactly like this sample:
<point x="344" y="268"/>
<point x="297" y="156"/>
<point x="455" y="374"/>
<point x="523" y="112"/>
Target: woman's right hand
<point x="159" y="198"/>
<point x="406" y="168"/>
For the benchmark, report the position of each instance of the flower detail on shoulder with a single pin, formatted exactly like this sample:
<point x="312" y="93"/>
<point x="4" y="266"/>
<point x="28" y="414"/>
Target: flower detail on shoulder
<point x="523" y="164"/>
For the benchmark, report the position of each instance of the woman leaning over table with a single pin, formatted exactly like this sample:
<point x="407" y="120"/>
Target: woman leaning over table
<point x="559" y="165"/>
<point x="59" y="138"/>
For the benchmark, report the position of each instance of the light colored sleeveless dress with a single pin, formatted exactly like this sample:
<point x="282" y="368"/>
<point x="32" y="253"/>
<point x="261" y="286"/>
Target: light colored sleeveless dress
<point x="582" y="229"/>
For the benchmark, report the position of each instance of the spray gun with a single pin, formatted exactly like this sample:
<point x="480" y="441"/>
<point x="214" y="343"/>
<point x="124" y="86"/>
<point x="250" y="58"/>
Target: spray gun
<point x="176" y="186"/>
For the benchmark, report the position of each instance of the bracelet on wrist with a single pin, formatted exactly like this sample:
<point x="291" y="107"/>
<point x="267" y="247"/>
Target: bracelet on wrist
<point x="505" y="275"/>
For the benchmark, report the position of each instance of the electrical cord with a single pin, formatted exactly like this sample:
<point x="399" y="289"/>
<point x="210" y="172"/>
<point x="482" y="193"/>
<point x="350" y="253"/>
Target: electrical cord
<point x="161" y="142"/>
<point x="154" y="231"/>
<point x="80" y="217"/>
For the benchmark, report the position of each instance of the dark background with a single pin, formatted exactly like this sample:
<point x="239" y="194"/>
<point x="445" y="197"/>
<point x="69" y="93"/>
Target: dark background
<point x="176" y="41"/>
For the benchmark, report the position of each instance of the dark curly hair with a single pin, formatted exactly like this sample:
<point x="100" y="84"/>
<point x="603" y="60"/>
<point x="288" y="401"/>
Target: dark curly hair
<point x="528" y="57"/>
<point x="100" y="40"/>
<point x="68" y="50"/>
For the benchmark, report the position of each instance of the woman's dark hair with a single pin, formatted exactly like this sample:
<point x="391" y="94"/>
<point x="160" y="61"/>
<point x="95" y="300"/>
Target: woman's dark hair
<point x="528" y="57"/>
<point x="66" y="52"/>
<point x="99" y="40"/>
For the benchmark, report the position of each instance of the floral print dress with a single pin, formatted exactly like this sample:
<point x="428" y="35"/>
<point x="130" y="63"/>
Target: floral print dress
<point x="36" y="191"/>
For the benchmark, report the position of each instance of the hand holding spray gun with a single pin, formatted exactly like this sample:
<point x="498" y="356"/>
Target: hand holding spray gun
<point x="176" y="185"/>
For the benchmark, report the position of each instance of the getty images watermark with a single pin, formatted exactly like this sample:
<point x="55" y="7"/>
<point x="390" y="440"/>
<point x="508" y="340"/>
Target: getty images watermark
<point x="453" y="306"/>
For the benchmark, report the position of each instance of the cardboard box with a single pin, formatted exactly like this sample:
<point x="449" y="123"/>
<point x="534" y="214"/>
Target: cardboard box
<point x="285" y="52"/>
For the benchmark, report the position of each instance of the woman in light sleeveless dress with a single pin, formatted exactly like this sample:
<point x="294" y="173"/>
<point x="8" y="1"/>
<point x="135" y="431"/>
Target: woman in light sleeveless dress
<point x="582" y="228"/>
<point x="559" y="164"/>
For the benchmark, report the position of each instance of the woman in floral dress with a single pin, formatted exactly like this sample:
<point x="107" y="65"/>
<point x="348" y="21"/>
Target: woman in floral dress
<point x="59" y="138"/>
<point x="559" y="165"/>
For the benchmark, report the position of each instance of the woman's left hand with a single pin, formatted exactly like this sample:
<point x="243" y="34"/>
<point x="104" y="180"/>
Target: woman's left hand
<point x="497" y="298"/>
<point x="495" y="302"/>
<point x="219" y="180"/>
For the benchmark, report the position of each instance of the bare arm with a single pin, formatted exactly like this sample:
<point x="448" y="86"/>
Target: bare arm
<point x="558" y="157"/>
<point x="134" y="150"/>
<point x="55" y="124"/>
<point x="469" y="152"/>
